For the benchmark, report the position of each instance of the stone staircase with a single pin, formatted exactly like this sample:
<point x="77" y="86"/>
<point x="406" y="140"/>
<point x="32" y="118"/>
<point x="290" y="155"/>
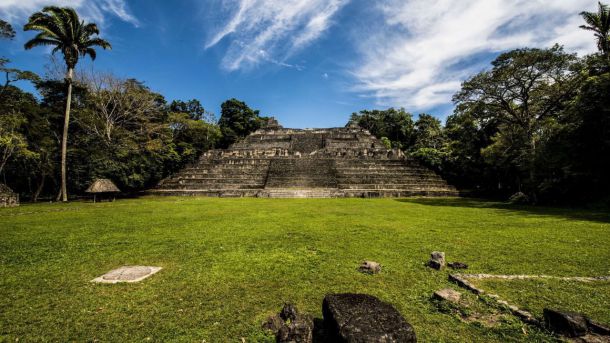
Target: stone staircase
<point x="314" y="163"/>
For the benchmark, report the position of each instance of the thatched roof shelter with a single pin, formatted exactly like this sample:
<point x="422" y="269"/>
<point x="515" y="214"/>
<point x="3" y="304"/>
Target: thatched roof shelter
<point x="103" y="186"/>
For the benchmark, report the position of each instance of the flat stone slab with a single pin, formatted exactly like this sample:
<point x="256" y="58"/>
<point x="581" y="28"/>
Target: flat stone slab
<point x="448" y="294"/>
<point x="364" y="318"/>
<point x="127" y="274"/>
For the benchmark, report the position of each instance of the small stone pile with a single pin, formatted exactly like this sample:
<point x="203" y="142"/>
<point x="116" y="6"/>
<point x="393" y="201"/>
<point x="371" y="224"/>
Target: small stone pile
<point x="290" y="326"/>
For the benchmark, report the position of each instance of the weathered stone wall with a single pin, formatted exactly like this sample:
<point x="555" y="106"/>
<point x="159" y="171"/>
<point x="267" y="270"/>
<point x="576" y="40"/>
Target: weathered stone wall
<point x="8" y="198"/>
<point x="278" y="162"/>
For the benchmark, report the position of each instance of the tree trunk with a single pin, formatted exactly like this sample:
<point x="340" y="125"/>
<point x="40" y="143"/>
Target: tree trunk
<point x="39" y="188"/>
<point x="532" y="168"/>
<point x="64" y="138"/>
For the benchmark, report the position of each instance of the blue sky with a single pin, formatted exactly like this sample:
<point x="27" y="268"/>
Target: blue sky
<point x="309" y="63"/>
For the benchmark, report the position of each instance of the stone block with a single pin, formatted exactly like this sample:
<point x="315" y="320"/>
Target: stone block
<point x="364" y="318"/>
<point x="437" y="260"/>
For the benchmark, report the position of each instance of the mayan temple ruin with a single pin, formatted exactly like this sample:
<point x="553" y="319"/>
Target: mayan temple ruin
<point x="277" y="162"/>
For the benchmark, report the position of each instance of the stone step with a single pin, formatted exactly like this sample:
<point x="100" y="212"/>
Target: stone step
<point x="300" y="193"/>
<point x="375" y="178"/>
<point x="402" y="186"/>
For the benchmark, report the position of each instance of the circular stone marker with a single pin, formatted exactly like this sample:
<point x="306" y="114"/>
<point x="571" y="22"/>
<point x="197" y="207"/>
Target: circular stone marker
<point x="127" y="274"/>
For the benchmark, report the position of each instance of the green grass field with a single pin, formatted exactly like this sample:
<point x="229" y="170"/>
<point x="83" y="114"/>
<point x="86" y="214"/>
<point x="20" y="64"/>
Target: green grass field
<point x="230" y="263"/>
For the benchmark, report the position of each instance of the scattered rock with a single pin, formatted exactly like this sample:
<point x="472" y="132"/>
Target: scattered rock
<point x="370" y="267"/>
<point x="289" y="326"/>
<point x="457" y="265"/>
<point x="299" y="330"/>
<point x="289" y="312"/>
<point x="273" y="323"/>
<point x="364" y="318"/>
<point x="448" y="294"/>
<point x="462" y="282"/>
<point x="519" y="198"/>
<point x="568" y="324"/>
<point x="437" y="260"/>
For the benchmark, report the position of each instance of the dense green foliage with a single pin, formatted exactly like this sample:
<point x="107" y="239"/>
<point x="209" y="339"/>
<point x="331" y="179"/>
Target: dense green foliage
<point x="537" y="122"/>
<point x="237" y="120"/>
<point x="230" y="263"/>
<point x="120" y="130"/>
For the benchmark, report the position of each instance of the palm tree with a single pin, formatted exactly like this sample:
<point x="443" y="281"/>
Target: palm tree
<point x="600" y="24"/>
<point x="61" y="28"/>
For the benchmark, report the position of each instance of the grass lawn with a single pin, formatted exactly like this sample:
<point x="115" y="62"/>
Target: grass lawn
<point x="230" y="263"/>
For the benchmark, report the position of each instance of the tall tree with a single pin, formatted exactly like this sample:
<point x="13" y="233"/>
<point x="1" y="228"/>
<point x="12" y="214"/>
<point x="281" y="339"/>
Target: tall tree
<point x="523" y="91"/>
<point x="61" y="28"/>
<point x="394" y="124"/>
<point x="599" y="23"/>
<point x="429" y="146"/>
<point x="237" y="120"/>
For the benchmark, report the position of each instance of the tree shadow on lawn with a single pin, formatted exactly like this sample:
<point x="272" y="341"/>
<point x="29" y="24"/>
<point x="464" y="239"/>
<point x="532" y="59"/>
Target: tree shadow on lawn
<point x="595" y="215"/>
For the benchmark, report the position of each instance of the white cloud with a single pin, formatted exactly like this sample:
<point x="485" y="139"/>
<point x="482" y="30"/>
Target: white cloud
<point x="17" y="11"/>
<point x="271" y="30"/>
<point x="423" y="49"/>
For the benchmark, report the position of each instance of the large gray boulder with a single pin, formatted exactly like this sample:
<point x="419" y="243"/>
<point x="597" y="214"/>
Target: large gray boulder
<point x="360" y="318"/>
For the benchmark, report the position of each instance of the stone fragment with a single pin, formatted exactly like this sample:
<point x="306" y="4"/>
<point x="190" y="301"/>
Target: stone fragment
<point x="127" y="274"/>
<point x="299" y="330"/>
<point x="273" y="323"/>
<point x="448" y="294"/>
<point x="289" y="312"/>
<point x="457" y="265"/>
<point x="370" y="267"/>
<point x="289" y="326"/>
<point x="598" y="328"/>
<point x="568" y="324"/>
<point x="364" y="318"/>
<point x="437" y="260"/>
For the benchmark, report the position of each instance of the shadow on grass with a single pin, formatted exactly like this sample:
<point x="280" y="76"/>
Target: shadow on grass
<point x="596" y="215"/>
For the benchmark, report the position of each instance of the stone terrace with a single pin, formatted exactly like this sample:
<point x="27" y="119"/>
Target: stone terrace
<point x="317" y="163"/>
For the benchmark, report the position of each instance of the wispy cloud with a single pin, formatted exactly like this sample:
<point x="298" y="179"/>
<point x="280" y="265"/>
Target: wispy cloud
<point x="423" y="49"/>
<point x="271" y="30"/>
<point x="17" y="11"/>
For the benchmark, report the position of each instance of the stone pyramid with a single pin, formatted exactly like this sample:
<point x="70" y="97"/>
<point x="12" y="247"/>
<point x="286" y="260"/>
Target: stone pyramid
<point x="306" y="163"/>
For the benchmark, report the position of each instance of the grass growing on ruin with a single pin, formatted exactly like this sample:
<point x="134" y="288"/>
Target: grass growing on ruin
<point x="591" y="298"/>
<point x="230" y="263"/>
